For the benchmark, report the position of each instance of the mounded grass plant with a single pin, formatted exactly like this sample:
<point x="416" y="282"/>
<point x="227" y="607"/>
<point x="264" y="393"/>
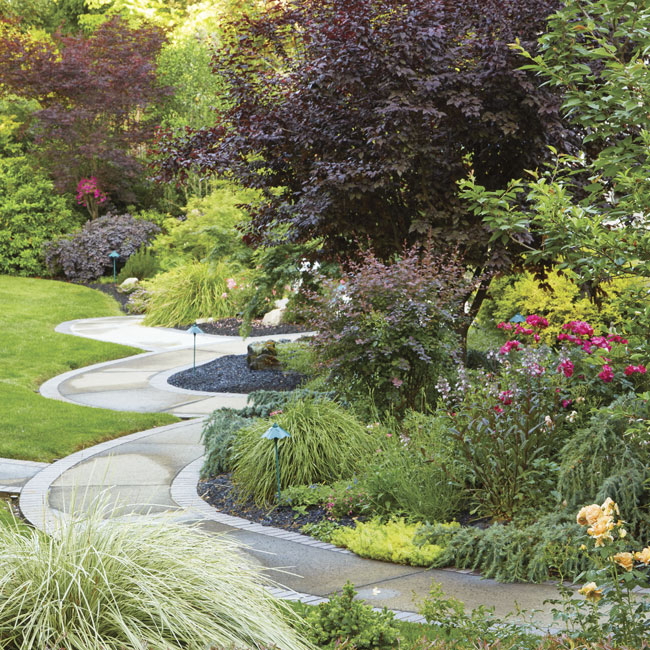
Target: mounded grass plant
<point x="327" y="443"/>
<point x="198" y="290"/>
<point x="100" y="584"/>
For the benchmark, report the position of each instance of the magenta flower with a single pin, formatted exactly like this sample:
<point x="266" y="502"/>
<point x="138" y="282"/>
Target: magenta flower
<point x="510" y="345"/>
<point x="504" y="326"/>
<point x="630" y="370"/>
<point x="536" y="321"/>
<point x="566" y="367"/>
<point x="606" y="374"/>
<point x="505" y="397"/>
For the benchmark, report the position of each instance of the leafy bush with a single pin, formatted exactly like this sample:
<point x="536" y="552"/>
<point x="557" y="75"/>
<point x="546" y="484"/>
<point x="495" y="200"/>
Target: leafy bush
<point x="198" y="290"/>
<point x="540" y="551"/>
<point x="327" y="443"/>
<point x="297" y="356"/>
<point x="142" y="265"/>
<point x="110" y="585"/>
<point x="410" y="477"/>
<point x="31" y="213"/>
<point x="391" y="541"/>
<point x="343" y="618"/>
<point x="217" y="435"/>
<point x="387" y="329"/>
<point x="84" y="256"/>
<point x="208" y="233"/>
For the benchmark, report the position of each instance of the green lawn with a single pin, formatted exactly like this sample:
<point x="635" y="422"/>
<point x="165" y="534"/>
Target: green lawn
<point x="35" y="428"/>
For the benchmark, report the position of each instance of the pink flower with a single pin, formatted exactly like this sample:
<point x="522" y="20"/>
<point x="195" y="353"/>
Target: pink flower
<point x="536" y="370"/>
<point x="224" y="295"/>
<point x="272" y="413"/>
<point x="510" y="345"/>
<point x="616" y="338"/>
<point x="601" y="342"/>
<point x="579" y="327"/>
<point x="566" y="367"/>
<point x="396" y="382"/>
<point x="566" y="403"/>
<point x="230" y="283"/>
<point x="536" y="321"/>
<point x="498" y="409"/>
<point x="504" y="326"/>
<point x="505" y="397"/>
<point x="606" y="374"/>
<point x="630" y="370"/>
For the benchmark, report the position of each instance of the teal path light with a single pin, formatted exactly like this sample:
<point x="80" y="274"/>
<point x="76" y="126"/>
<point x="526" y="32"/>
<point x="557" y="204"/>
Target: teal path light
<point x="195" y="329"/>
<point x="114" y="255"/>
<point x="276" y="433"/>
<point x="517" y="318"/>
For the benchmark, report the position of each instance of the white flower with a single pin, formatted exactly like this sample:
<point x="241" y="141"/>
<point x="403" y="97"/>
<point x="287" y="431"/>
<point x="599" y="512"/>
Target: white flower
<point x="548" y="421"/>
<point x="572" y="416"/>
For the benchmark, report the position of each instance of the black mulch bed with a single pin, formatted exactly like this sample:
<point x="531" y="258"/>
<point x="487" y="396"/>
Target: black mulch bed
<point x="112" y="291"/>
<point x="231" y="374"/>
<point x="230" y="327"/>
<point x="221" y="494"/>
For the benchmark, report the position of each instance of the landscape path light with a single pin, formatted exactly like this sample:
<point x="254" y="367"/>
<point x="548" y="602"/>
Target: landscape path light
<point x="195" y="329"/>
<point x="276" y="433"/>
<point x="517" y="318"/>
<point x="114" y="255"/>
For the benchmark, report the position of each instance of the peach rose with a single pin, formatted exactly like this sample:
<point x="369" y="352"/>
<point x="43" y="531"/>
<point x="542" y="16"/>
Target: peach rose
<point x="589" y="515"/>
<point x="591" y="592"/>
<point x="626" y="560"/>
<point x="643" y="556"/>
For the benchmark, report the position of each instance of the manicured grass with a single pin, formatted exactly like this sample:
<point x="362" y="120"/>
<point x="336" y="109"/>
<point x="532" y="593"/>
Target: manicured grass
<point x="33" y="427"/>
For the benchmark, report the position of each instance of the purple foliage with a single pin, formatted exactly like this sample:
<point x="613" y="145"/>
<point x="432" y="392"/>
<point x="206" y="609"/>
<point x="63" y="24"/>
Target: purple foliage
<point x="390" y="329"/>
<point x="84" y="255"/>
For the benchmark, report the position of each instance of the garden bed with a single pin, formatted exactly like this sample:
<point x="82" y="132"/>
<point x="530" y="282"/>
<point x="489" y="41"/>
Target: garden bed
<point x="231" y="374"/>
<point x="222" y="495"/>
<point x="231" y="327"/>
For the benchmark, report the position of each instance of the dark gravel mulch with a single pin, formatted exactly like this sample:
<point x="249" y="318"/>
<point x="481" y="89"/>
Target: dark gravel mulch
<point x="112" y="291"/>
<point x="221" y="494"/>
<point x="230" y="327"/>
<point x="231" y="374"/>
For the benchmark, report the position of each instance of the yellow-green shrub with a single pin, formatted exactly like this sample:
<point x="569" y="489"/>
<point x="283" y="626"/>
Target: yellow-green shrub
<point x="391" y="541"/>
<point x="522" y="294"/>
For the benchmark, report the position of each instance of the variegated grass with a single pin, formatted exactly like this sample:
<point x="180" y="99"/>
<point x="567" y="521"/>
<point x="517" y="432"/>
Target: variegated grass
<point x="134" y="584"/>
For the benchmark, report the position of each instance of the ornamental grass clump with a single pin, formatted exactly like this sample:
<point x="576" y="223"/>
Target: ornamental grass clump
<point x="327" y="443"/>
<point x="198" y="290"/>
<point x="153" y="584"/>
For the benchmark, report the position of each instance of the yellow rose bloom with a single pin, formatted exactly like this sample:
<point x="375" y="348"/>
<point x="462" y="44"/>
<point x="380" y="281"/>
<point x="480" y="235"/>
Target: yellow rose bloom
<point x="601" y="530"/>
<point x="643" y="556"/>
<point x="626" y="560"/>
<point x="609" y="507"/>
<point x="622" y="532"/>
<point x="589" y="515"/>
<point x="591" y="592"/>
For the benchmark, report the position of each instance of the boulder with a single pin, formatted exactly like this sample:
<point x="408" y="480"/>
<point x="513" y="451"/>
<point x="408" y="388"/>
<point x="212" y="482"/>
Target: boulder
<point x="273" y="317"/>
<point x="262" y="355"/>
<point x="129" y="285"/>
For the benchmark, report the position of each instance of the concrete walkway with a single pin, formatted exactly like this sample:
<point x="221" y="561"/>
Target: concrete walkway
<point x="157" y="471"/>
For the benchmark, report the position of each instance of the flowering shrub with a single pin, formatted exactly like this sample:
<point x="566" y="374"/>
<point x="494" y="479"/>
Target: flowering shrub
<point x="90" y="196"/>
<point x="84" y="255"/>
<point x="609" y="609"/>
<point x="387" y="329"/>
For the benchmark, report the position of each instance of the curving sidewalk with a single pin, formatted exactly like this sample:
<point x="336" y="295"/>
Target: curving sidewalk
<point x="157" y="471"/>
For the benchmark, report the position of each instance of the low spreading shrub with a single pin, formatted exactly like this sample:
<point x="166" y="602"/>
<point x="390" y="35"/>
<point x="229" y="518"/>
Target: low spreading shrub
<point x="327" y="443"/>
<point x="541" y="551"/>
<point x="84" y="255"/>
<point x="110" y="585"/>
<point x="603" y="459"/>
<point x="218" y="435"/>
<point x="346" y="498"/>
<point x="186" y="293"/>
<point x="391" y="541"/>
<point x="388" y="329"/>
<point x="344" y="619"/>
